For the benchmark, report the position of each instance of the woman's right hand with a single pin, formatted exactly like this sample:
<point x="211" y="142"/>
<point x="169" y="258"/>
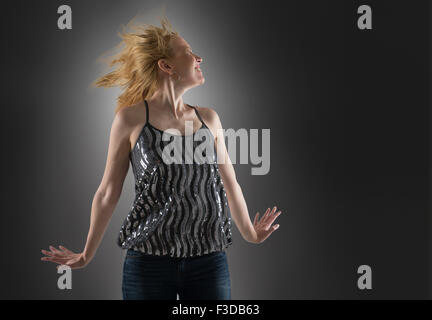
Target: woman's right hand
<point x="65" y="256"/>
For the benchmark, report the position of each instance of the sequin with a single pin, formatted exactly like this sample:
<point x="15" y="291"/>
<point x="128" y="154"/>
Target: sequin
<point x="180" y="209"/>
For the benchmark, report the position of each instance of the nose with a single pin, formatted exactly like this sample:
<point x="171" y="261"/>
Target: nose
<point x="199" y="59"/>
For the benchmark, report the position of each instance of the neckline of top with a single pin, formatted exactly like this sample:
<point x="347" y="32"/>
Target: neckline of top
<point x="175" y="135"/>
<point x="171" y="134"/>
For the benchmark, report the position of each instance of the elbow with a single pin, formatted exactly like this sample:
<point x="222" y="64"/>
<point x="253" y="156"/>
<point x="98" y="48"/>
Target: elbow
<point x="108" y="197"/>
<point x="232" y="185"/>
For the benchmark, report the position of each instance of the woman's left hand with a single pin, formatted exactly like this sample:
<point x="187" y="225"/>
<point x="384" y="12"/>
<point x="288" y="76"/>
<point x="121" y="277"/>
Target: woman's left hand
<point x="65" y="256"/>
<point x="263" y="227"/>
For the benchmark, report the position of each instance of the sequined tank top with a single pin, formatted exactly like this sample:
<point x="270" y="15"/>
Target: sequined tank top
<point x="180" y="209"/>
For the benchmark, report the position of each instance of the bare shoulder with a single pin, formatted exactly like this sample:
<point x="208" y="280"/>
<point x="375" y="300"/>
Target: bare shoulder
<point x="132" y="115"/>
<point x="209" y="116"/>
<point x="128" y="121"/>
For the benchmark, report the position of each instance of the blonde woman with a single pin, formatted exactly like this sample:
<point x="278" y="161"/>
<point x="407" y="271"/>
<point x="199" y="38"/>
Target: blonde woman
<point x="179" y="225"/>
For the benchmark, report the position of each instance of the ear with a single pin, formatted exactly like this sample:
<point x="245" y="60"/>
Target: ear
<point x="164" y="65"/>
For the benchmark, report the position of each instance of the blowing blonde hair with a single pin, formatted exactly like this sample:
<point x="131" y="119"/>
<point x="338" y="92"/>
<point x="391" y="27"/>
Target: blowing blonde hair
<point x="137" y="70"/>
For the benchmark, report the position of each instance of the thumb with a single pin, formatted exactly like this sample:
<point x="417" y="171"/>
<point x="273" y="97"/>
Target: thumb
<point x="275" y="227"/>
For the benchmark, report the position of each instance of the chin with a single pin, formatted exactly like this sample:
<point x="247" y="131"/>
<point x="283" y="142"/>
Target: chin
<point x="200" y="82"/>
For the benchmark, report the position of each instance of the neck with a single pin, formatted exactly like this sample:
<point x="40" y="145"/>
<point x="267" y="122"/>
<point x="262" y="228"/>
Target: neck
<point x="169" y="99"/>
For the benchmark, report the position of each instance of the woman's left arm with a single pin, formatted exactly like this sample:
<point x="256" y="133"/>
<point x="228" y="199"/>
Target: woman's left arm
<point x="260" y="229"/>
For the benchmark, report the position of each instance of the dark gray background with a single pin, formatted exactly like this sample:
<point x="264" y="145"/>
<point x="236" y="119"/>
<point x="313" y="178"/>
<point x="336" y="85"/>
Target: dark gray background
<point x="349" y="117"/>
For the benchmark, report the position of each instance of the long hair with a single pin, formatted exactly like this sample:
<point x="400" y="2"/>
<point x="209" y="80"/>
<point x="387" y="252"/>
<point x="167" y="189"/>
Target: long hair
<point x="137" y="71"/>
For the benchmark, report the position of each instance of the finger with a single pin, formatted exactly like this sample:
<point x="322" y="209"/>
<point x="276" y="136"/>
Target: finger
<point x="55" y="250"/>
<point x="53" y="259"/>
<point x="48" y="253"/>
<point x="52" y="254"/>
<point x="256" y="218"/>
<point x="273" y="211"/>
<point x="273" y="218"/>
<point x="57" y="253"/>
<point x="269" y="215"/>
<point x="265" y="214"/>
<point x="271" y="230"/>
<point x="66" y="250"/>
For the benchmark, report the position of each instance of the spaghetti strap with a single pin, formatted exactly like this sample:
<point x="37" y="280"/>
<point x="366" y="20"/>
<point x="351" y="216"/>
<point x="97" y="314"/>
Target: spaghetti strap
<point x="199" y="117"/>
<point x="147" y="111"/>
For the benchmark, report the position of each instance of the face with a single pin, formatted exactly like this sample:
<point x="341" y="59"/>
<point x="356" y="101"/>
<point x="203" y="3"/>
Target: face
<point x="185" y="63"/>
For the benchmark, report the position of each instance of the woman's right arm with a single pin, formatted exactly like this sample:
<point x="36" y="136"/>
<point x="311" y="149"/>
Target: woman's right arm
<point x="105" y="198"/>
<point x="110" y="188"/>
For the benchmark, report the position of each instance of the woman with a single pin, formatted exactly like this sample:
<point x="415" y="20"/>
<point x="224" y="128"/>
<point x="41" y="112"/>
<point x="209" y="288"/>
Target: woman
<point x="179" y="225"/>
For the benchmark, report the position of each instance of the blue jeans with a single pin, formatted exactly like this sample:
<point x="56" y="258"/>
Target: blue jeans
<point x="150" y="277"/>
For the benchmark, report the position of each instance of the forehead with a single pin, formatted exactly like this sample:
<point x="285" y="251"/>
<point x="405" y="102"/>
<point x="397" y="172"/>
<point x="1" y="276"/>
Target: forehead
<point x="178" y="42"/>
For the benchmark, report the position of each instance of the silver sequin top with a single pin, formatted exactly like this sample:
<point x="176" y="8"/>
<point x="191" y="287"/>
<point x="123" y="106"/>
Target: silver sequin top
<point x="180" y="209"/>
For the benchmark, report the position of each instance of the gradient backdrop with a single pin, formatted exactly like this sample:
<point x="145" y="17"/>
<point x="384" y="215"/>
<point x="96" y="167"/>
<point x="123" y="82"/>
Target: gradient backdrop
<point x="349" y="117"/>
